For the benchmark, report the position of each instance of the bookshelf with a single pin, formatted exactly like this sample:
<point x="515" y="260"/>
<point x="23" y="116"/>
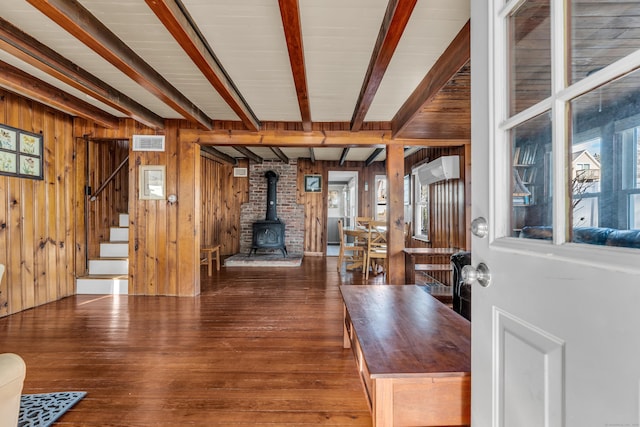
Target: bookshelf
<point x="531" y="174"/>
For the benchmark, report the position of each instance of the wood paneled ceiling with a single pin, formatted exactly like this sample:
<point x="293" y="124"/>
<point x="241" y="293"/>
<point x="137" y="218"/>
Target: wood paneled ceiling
<point x="363" y="71"/>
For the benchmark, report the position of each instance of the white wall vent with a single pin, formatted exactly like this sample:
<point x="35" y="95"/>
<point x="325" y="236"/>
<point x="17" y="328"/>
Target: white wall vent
<point x="239" y="171"/>
<point x="148" y="143"/>
<point x="445" y="167"/>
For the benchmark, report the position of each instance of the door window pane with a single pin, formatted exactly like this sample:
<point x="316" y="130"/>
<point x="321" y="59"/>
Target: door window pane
<point x="530" y="55"/>
<point x="604" y="206"/>
<point x="531" y="179"/>
<point x="602" y="33"/>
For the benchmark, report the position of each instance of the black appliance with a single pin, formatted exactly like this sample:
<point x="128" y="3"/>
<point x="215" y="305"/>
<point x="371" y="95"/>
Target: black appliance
<point x="269" y="234"/>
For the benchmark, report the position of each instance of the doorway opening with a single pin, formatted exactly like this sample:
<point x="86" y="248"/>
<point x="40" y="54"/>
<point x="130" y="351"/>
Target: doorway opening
<point x="342" y="204"/>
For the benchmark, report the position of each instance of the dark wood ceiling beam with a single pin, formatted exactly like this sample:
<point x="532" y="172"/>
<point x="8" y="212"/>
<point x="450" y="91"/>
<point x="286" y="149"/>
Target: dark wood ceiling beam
<point x="373" y="156"/>
<point x="248" y="153"/>
<point x="393" y="24"/>
<point x="23" y="46"/>
<point x="30" y="87"/>
<point x="343" y="156"/>
<point x="449" y="63"/>
<point x="290" y="13"/>
<point x="217" y="155"/>
<point x="185" y="32"/>
<point x="310" y="139"/>
<point x="78" y="21"/>
<point x="278" y="152"/>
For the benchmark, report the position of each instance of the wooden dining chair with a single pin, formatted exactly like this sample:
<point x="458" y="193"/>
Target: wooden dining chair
<point x="363" y="221"/>
<point x="376" y="253"/>
<point x="356" y="250"/>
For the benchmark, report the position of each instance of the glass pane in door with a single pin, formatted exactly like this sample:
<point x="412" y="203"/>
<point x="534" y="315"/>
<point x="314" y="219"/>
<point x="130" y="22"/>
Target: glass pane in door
<point x="605" y="164"/>
<point x="531" y="179"/>
<point x="601" y="33"/>
<point x="530" y="55"/>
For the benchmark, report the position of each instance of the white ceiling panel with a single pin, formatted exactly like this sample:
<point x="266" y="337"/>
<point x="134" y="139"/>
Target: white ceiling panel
<point x="134" y="22"/>
<point x="329" y="153"/>
<point x="264" y="152"/>
<point x="30" y="20"/>
<point x="248" y="38"/>
<point x="339" y="37"/>
<point x="431" y="28"/>
<point x="296" y="152"/>
<point x="12" y="60"/>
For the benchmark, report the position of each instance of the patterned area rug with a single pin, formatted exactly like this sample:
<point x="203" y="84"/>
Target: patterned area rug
<point x="262" y="260"/>
<point x="42" y="410"/>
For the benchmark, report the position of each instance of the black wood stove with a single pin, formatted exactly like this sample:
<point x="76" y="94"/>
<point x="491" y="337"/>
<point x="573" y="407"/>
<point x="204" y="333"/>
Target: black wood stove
<point x="269" y="234"/>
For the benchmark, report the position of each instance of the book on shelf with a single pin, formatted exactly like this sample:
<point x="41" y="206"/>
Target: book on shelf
<point x="526" y="155"/>
<point x="521" y="200"/>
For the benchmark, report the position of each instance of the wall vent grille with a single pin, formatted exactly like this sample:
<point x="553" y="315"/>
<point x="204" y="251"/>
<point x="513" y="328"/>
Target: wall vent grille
<point x="148" y="143"/>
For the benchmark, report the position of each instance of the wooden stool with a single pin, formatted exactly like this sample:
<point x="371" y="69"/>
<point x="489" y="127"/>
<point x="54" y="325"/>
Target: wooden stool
<point x="206" y="252"/>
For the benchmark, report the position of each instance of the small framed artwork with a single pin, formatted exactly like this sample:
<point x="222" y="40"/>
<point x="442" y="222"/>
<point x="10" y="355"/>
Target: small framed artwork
<point x="152" y="182"/>
<point x="313" y="183"/>
<point x="8" y="162"/>
<point x="20" y="153"/>
<point x="7" y="139"/>
<point x="29" y="166"/>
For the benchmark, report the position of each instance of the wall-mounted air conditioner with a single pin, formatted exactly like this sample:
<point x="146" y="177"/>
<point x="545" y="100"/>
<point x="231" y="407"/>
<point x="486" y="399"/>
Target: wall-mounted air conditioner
<point x="442" y="168"/>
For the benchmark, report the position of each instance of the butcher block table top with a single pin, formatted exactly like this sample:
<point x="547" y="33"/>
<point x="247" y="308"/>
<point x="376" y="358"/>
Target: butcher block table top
<point x="404" y="331"/>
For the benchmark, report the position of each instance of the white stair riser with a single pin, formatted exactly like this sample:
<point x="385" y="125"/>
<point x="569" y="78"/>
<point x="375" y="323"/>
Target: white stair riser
<point x="117" y="234"/>
<point x="109" y="266"/>
<point x="102" y="286"/>
<point x="123" y="220"/>
<point x="114" y="250"/>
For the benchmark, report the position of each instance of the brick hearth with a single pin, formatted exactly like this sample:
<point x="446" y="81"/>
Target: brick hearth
<point x="289" y="212"/>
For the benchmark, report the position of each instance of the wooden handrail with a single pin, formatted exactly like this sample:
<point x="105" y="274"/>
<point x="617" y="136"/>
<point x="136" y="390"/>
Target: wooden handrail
<point x="94" y="197"/>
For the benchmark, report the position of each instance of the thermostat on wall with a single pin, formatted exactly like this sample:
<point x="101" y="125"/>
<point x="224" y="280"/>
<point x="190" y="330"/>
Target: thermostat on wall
<point x="239" y="171"/>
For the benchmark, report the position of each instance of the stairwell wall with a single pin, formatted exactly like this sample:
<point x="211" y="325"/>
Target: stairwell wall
<point x="164" y="242"/>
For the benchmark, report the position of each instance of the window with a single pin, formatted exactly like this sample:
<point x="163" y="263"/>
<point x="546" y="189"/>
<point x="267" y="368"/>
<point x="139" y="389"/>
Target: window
<point x="571" y="121"/>
<point x="381" y="198"/>
<point x="408" y="206"/>
<point x="421" y="214"/>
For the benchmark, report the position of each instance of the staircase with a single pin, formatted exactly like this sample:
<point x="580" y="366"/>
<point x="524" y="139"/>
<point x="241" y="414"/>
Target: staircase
<point x="109" y="274"/>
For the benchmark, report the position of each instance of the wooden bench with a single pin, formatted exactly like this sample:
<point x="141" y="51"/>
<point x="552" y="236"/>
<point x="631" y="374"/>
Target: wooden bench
<point x="206" y="257"/>
<point x="413" y="355"/>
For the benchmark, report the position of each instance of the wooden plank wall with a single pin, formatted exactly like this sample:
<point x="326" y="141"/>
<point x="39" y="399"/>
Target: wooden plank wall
<point x="37" y="218"/>
<point x="222" y="198"/>
<point x="104" y="157"/>
<point x="164" y="239"/>
<point x="315" y="209"/>
<point x="448" y="202"/>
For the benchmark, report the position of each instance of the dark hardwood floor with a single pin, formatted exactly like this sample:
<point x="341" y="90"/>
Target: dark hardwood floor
<point x="259" y="346"/>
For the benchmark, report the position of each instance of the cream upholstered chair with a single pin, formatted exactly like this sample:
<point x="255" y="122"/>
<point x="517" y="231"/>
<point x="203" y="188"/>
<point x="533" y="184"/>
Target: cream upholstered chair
<point x="12" y="373"/>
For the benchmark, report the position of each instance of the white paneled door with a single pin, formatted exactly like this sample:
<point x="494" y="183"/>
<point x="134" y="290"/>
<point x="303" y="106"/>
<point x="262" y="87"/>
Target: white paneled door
<point x="555" y="333"/>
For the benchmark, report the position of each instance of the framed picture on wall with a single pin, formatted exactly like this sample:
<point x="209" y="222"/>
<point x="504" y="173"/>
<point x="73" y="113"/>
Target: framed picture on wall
<point x="152" y="182"/>
<point x="313" y="183"/>
<point x="20" y="153"/>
